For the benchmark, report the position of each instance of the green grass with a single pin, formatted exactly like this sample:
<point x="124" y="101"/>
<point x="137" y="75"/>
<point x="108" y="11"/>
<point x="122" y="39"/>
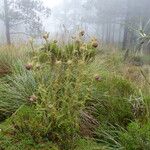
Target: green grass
<point x="16" y="89"/>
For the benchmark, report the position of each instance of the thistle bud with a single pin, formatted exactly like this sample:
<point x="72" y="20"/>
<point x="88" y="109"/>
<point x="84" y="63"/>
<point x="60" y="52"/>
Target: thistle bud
<point x="75" y="51"/>
<point x="78" y="41"/>
<point x="95" y="44"/>
<point x="81" y="62"/>
<point x="97" y="77"/>
<point x="82" y="48"/>
<point x="46" y="36"/>
<point x="29" y="66"/>
<point x="55" y="41"/>
<point x="94" y="39"/>
<point x="58" y="62"/>
<point x="31" y="40"/>
<point x="38" y="66"/>
<point x="33" y="98"/>
<point x="82" y="33"/>
<point x="69" y="62"/>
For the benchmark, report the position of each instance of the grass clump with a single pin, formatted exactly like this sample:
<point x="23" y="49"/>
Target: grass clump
<point x="110" y="100"/>
<point x="16" y="89"/>
<point x="8" y="56"/>
<point x="135" y="136"/>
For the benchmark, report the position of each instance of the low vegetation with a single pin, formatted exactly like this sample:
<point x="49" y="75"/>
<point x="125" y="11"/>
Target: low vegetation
<point x="73" y="96"/>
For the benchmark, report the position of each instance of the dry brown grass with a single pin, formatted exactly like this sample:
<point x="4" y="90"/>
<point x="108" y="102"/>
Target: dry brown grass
<point x="8" y="56"/>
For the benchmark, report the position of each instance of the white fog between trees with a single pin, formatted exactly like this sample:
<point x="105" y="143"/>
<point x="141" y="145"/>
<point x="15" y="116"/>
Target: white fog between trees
<point x="120" y="22"/>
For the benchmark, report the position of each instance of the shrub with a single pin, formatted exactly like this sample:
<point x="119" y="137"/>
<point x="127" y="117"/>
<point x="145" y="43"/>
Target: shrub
<point x="8" y="56"/>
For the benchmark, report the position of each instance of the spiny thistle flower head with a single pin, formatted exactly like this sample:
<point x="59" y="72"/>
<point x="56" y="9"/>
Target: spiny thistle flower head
<point x="73" y="37"/>
<point x="69" y="62"/>
<point x="58" y="62"/>
<point x="82" y="33"/>
<point x="46" y="36"/>
<point x="75" y="51"/>
<point x="78" y="41"/>
<point x="31" y="40"/>
<point x="55" y="41"/>
<point x="29" y="66"/>
<point x="94" y="39"/>
<point x="94" y="42"/>
<point x="83" y="47"/>
<point x="33" y="98"/>
<point x="81" y="62"/>
<point x="37" y="66"/>
<point x="97" y="77"/>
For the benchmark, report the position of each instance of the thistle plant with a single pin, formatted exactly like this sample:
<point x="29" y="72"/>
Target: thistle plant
<point x="76" y="50"/>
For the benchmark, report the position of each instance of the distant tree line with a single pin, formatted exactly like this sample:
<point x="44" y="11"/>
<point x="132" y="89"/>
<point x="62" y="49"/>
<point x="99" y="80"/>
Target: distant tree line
<point x="115" y="21"/>
<point x="120" y="22"/>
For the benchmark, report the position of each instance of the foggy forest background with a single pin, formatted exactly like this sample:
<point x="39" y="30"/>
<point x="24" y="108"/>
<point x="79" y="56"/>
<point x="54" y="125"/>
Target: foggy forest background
<point x="117" y="22"/>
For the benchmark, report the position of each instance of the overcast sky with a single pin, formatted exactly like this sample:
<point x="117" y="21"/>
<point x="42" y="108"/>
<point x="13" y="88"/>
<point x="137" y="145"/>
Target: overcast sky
<point x="52" y="3"/>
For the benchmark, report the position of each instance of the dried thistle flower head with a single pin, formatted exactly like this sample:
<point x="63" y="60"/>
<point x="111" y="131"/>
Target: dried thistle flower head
<point x="75" y="51"/>
<point x="31" y="39"/>
<point x="55" y="41"/>
<point x="58" y="62"/>
<point x="33" y="98"/>
<point x="73" y="37"/>
<point x="29" y="66"/>
<point x="83" y="47"/>
<point x="97" y="77"/>
<point x="78" y="41"/>
<point x="46" y="36"/>
<point x="95" y="44"/>
<point x="81" y="62"/>
<point x="82" y="33"/>
<point x="69" y="62"/>
<point x="94" y="39"/>
<point x="38" y="66"/>
<point x="84" y="44"/>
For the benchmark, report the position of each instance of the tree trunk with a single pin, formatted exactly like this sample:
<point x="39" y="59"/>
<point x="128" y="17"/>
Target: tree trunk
<point x="126" y="33"/>
<point x="126" y="29"/>
<point x="103" y="31"/>
<point x="107" y="32"/>
<point x="7" y="22"/>
<point x="113" y="31"/>
<point x="125" y="39"/>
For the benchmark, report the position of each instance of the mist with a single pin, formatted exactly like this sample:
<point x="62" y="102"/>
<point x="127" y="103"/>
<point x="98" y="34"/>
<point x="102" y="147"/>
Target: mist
<point x="117" y="22"/>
